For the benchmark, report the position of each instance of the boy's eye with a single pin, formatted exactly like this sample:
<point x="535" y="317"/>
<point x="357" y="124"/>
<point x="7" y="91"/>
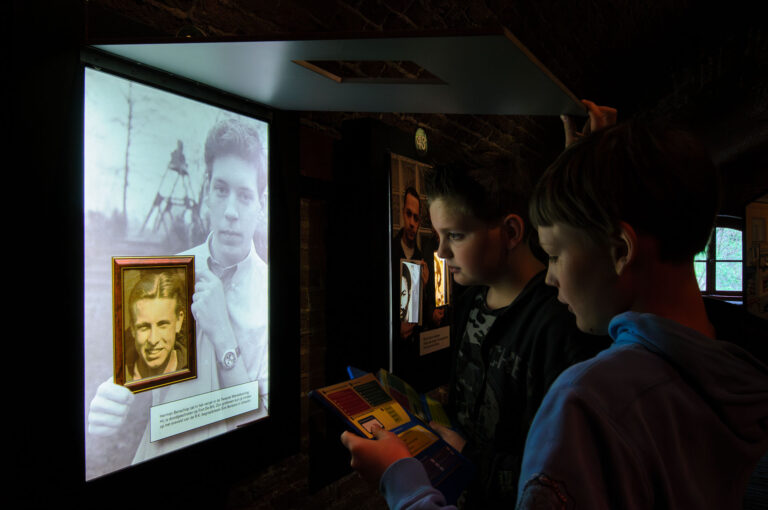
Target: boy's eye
<point x="455" y="236"/>
<point x="552" y="259"/>
<point x="220" y="190"/>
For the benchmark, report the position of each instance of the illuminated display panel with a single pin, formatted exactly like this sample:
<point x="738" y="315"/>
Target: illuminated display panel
<point x="166" y="175"/>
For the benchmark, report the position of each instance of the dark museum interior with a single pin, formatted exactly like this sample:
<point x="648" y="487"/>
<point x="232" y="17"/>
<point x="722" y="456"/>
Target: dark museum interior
<point x="702" y="64"/>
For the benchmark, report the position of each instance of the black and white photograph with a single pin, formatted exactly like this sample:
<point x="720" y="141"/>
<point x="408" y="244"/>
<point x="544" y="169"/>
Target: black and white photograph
<point x="164" y="174"/>
<point x="410" y="291"/>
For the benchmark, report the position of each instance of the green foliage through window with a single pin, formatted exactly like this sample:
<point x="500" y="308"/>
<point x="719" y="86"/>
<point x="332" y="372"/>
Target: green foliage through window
<point x="718" y="267"/>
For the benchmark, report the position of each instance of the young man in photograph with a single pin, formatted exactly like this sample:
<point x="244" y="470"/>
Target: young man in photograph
<point x="156" y="310"/>
<point x="230" y="299"/>
<point x="404" y="243"/>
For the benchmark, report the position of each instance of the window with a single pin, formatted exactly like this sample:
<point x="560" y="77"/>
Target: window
<point x="718" y="267"/>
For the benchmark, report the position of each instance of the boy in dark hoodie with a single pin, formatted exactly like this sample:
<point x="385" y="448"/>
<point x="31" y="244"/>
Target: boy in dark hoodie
<point x="668" y="416"/>
<point x="512" y="337"/>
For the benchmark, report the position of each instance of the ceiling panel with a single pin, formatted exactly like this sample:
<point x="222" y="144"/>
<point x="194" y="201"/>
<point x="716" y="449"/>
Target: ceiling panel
<point x="482" y="74"/>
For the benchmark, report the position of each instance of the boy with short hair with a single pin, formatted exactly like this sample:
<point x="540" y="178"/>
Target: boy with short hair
<point x="513" y="337"/>
<point x="667" y="417"/>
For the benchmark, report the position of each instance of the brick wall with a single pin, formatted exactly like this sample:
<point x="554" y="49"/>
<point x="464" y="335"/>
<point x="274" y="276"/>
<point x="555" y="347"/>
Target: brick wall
<point x="285" y="485"/>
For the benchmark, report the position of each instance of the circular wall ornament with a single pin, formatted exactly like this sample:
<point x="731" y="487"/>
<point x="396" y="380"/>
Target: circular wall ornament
<point x="420" y="139"/>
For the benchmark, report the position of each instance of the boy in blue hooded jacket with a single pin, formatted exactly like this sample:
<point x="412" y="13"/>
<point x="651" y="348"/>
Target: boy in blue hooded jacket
<point x="668" y="416"/>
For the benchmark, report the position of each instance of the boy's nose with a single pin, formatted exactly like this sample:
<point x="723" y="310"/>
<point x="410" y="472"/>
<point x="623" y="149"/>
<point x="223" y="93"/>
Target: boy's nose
<point x="443" y="252"/>
<point x="550" y="279"/>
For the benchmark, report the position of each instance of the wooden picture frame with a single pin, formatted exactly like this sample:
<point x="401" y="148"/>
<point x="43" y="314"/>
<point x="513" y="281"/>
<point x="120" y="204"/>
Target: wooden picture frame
<point x="154" y="332"/>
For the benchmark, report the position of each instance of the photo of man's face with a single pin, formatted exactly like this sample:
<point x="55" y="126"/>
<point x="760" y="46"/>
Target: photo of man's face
<point x="405" y="297"/>
<point x="410" y="218"/>
<point x="410" y="291"/>
<point x="233" y="201"/>
<point x="156" y="324"/>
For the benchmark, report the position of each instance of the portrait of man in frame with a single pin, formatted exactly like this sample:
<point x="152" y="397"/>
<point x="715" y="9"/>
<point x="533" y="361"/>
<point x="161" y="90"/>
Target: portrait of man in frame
<point x="154" y="330"/>
<point x="442" y="280"/>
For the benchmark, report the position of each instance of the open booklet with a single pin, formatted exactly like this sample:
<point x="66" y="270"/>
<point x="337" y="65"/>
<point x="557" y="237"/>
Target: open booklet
<point x="364" y="405"/>
<point x="420" y="404"/>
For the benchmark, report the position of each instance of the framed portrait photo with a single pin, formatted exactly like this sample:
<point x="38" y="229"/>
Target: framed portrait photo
<point x="442" y="282"/>
<point x="410" y="291"/>
<point x="154" y="333"/>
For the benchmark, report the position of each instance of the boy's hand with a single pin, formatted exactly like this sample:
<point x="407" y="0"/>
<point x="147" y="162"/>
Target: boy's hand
<point x="209" y="305"/>
<point x="600" y="117"/>
<point x="451" y="437"/>
<point x="209" y="308"/>
<point x="109" y="408"/>
<point x="371" y="457"/>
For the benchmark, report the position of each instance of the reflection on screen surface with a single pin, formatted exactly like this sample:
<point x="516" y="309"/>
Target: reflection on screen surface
<point x="167" y="175"/>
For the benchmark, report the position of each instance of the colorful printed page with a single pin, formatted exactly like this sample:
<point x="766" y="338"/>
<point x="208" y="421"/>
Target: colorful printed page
<point x="365" y="406"/>
<point x="425" y="407"/>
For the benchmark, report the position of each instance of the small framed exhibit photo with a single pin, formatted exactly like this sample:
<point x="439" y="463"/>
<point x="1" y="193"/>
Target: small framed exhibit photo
<point x="410" y="290"/>
<point x="442" y="282"/>
<point x="154" y="333"/>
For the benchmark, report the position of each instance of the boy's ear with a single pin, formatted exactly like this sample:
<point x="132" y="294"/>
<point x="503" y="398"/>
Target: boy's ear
<point x="625" y="250"/>
<point x="514" y="227"/>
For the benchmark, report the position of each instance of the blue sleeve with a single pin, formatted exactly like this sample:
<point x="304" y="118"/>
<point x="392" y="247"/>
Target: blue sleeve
<point x="576" y="458"/>
<point x="405" y="486"/>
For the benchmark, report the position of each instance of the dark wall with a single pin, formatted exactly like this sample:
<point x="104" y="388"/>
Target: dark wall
<point x="44" y="243"/>
<point x="358" y="260"/>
